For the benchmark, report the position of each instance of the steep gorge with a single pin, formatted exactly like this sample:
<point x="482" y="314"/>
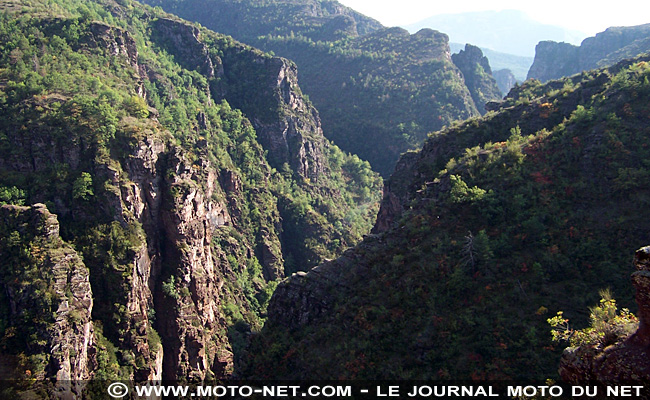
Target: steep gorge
<point x="149" y="214"/>
<point x="177" y="178"/>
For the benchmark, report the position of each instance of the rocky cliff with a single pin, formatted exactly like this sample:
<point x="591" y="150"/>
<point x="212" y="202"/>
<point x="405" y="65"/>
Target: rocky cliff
<point x="292" y="132"/>
<point x="162" y="226"/>
<point x="287" y="127"/>
<point x="478" y="76"/>
<point x="555" y="60"/>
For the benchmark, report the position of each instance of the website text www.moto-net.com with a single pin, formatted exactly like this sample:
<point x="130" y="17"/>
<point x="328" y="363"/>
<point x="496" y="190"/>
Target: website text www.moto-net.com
<point x="120" y="390"/>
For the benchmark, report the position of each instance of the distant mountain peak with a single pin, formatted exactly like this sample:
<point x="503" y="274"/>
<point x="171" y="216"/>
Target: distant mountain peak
<point x="555" y="60"/>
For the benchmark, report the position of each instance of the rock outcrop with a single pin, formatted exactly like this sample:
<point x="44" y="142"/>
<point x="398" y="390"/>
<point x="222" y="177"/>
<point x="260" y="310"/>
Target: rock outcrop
<point x="478" y="76"/>
<point x="628" y="360"/>
<point x="554" y="60"/>
<point x="287" y="126"/>
<point x="50" y="301"/>
<point x="183" y="40"/>
<point x="118" y="41"/>
<point x="192" y="323"/>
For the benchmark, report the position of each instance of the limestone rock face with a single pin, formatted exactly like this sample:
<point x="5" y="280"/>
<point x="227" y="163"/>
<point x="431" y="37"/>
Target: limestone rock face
<point x="627" y="361"/>
<point x="172" y="198"/>
<point x="192" y="318"/>
<point x="287" y="126"/>
<point x="118" y="41"/>
<point x="471" y="55"/>
<point x="293" y="135"/>
<point x="610" y="41"/>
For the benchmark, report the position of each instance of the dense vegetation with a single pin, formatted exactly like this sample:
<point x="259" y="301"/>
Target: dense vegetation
<point x="86" y="89"/>
<point x="506" y="220"/>
<point x="379" y="91"/>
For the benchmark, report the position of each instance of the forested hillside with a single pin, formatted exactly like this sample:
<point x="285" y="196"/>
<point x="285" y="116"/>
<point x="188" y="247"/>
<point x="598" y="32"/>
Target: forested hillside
<point x="379" y="90"/>
<point x="486" y="232"/>
<point x="158" y="179"/>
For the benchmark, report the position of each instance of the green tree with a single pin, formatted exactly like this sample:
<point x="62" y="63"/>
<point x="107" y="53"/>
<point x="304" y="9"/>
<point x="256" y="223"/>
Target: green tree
<point x="82" y="188"/>
<point x="12" y="195"/>
<point x="137" y="106"/>
<point x="461" y="193"/>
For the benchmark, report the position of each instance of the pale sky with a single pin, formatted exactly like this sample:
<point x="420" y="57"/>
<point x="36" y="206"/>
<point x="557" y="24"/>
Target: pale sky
<point x="589" y="17"/>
